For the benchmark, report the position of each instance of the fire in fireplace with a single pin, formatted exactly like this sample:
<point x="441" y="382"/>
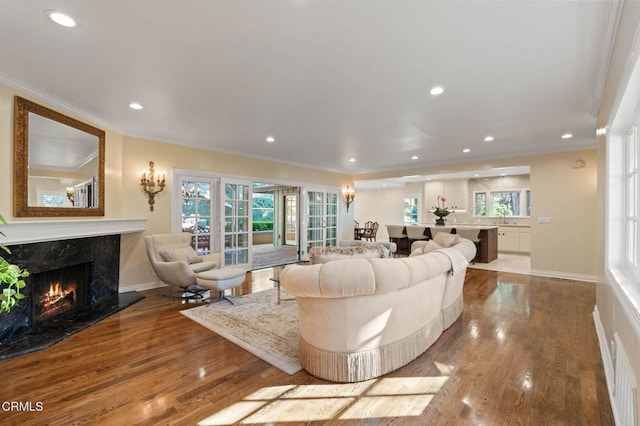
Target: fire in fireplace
<point x="57" y="300"/>
<point x="60" y="290"/>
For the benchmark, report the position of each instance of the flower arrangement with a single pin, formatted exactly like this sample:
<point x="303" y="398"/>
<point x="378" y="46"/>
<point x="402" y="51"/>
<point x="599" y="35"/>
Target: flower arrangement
<point x="11" y="280"/>
<point x="441" y="211"/>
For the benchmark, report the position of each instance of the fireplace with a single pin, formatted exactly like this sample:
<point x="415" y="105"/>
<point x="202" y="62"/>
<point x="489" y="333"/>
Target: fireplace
<point x="72" y="284"/>
<point x="59" y="291"/>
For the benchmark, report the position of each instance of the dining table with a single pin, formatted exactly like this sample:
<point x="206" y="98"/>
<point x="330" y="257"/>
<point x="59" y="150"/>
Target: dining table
<point x="358" y="233"/>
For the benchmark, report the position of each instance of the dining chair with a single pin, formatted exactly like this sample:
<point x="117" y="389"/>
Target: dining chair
<point x="370" y="233"/>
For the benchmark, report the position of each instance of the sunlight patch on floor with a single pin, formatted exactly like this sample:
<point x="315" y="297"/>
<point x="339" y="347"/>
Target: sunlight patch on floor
<point x="387" y="406"/>
<point x="377" y="398"/>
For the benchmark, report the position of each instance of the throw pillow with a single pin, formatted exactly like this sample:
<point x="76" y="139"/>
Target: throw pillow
<point x="446" y="240"/>
<point x="185" y="254"/>
<point x="425" y="248"/>
<point x="431" y="246"/>
<point x="416" y="252"/>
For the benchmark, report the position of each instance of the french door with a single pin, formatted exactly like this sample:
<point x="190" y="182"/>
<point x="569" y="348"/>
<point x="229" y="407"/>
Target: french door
<point x="218" y="213"/>
<point x="321" y="218"/>
<point x="291" y="220"/>
<point x="196" y="212"/>
<point x="236" y="235"/>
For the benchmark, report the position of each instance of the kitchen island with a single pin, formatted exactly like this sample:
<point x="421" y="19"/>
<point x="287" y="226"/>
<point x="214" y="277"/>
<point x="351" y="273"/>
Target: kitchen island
<point x="487" y="234"/>
<point x="486" y="241"/>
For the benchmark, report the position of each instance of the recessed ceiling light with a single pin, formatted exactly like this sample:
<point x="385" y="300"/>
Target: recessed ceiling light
<point x="567" y="136"/>
<point x="61" y="18"/>
<point x="415" y="157"/>
<point x="271" y="139"/>
<point x="352" y="160"/>
<point x="437" y="90"/>
<point x="410" y="176"/>
<point x="601" y="131"/>
<point x="466" y="150"/>
<point x="135" y="105"/>
<point x="489" y="138"/>
<point x="503" y="174"/>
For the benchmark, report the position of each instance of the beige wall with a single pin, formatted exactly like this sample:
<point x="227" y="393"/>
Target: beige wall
<point x="384" y="206"/>
<point x="136" y="155"/>
<point x="113" y="159"/>
<point x="565" y="248"/>
<point x="568" y="196"/>
<point x="125" y="159"/>
<point x="612" y="314"/>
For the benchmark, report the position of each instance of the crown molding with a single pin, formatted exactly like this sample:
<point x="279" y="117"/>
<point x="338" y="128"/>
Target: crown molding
<point x="610" y="39"/>
<point x="52" y="102"/>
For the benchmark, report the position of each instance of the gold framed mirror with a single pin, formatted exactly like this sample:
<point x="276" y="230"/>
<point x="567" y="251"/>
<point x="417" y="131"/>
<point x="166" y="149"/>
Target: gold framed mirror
<point x="58" y="164"/>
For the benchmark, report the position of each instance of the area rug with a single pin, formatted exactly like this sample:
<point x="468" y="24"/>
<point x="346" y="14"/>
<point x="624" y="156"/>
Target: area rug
<point x="257" y="324"/>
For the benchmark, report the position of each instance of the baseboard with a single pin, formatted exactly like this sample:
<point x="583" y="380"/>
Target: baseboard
<point x="564" y="275"/>
<point x="142" y="287"/>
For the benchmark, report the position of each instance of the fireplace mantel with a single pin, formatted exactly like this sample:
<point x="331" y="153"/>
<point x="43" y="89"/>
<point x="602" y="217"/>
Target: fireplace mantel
<point x="25" y="232"/>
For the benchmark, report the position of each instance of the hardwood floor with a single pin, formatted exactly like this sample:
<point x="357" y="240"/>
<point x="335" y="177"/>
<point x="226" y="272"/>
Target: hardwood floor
<point x="524" y="352"/>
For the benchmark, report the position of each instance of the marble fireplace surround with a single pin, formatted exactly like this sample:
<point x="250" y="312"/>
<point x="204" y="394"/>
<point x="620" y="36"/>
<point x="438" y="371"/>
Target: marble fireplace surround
<point x="45" y="245"/>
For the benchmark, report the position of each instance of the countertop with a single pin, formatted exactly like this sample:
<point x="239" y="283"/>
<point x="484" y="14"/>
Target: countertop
<point x="461" y="226"/>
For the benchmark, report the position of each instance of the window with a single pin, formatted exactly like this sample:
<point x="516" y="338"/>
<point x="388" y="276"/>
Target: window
<point x="622" y="233"/>
<point x="53" y="199"/>
<point x="480" y="204"/>
<point x="502" y="203"/>
<point x="410" y="210"/>
<point x="631" y="187"/>
<point x="262" y="212"/>
<point x="505" y="203"/>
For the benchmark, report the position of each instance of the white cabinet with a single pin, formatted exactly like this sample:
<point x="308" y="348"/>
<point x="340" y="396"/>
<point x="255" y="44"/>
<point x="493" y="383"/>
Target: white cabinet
<point x="514" y="239"/>
<point x="431" y="192"/>
<point x="525" y="240"/>
<point x="455" y="191"/>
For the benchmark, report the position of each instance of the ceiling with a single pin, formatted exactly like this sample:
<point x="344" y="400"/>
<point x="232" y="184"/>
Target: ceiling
<point x="329" y="80"/>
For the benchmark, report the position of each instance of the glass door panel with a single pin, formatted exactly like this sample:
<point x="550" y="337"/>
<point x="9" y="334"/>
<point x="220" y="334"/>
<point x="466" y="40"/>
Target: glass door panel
<point x="331" y="218"/>
<point x="322" y="219"/>
<point x="315" y="219"/>
<point x="291" y="220"/>
<point x="236" y="238"/>
<point x="196" y="212"/>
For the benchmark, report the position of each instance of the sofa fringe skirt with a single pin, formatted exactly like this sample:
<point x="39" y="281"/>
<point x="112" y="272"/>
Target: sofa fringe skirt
<point x="451" y="313"/>
<point x="359" y="366"/>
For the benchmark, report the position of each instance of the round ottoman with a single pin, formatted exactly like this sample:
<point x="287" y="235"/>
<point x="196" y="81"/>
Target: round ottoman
<point x="221" y="280"/>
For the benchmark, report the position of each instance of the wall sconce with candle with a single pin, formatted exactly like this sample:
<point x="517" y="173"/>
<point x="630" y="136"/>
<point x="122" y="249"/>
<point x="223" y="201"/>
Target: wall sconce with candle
<point x="152" y="185"/>
<point x="349" y="195"/>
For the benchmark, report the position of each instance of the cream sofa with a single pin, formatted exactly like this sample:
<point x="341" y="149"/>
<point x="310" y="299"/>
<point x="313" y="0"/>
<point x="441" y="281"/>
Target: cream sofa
<point x="390" y="247"/>
<point x="362" y="318"/>
<point x="329" y="253"/>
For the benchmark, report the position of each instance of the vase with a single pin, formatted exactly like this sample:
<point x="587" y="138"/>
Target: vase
<point x="441" y="221"/>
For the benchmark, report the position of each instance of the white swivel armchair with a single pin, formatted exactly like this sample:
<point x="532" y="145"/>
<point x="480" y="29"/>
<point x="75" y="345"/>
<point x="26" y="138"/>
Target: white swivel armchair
<point x="176" y="263"/>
